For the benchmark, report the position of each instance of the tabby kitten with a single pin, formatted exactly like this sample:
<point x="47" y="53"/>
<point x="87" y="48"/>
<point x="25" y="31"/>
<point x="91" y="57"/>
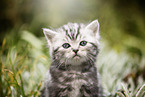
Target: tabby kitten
<point x="73" y="48"/>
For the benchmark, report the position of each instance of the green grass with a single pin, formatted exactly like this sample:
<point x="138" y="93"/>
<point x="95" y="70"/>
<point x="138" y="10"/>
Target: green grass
<point x="24" y="62"/>
<point x="122" y="73"/>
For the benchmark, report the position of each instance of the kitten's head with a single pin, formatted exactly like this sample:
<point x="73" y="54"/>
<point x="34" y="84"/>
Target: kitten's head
<point x="74" y="43"/>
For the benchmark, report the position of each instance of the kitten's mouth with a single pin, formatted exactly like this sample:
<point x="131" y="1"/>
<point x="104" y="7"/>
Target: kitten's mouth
<point x="76" y="56"/>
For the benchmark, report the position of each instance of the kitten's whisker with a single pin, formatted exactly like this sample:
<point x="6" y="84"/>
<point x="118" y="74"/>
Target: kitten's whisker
<point x="65" y="64"/>
<point x="59" y="65"/>
<point x="57" y="62"/>
<point x="91" y="60"/>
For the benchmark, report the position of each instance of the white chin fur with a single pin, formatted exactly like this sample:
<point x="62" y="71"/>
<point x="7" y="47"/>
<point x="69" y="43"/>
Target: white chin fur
<point x="74" y="60"/>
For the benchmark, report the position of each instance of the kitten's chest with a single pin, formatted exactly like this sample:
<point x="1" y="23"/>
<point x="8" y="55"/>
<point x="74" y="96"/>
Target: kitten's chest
<point x="78" y="80"/>
<point x="76" y="85"/>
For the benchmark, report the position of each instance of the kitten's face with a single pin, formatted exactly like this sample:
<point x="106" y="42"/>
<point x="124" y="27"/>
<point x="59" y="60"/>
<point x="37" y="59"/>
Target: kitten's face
<point x="73" y="43"/>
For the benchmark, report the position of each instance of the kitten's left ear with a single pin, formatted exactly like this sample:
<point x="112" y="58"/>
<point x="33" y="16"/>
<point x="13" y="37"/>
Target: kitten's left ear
<point x="94" y="27"/>
<point x="49" y="35"/>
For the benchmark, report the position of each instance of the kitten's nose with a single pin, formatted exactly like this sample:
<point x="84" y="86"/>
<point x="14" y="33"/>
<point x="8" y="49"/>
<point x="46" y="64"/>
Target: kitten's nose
<point x="75" y="50"/>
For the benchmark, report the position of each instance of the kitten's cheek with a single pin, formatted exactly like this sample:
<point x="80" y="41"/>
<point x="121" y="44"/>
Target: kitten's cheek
<point x="68" y="55"/>
<point x="82" y="53"/>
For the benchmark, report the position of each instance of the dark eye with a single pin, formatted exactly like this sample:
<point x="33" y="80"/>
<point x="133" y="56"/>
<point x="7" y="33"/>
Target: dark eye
<point x="66" y="45"/>
<point x="83" y="43"/>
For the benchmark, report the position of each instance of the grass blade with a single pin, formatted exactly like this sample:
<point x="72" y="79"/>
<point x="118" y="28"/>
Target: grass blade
<point x="120" y="94"/>
<point x="22" y="87"/>
<point x="126" y="91"/>
<point x="141" y="91"/>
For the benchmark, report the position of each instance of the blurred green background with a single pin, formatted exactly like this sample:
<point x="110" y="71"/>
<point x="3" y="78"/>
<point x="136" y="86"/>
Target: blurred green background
<point x="24" y="54"/>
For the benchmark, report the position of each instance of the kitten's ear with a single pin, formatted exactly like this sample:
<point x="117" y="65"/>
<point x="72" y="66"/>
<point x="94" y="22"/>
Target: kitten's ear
<point x="49" y="35"/>
<point x="94" y="27"/>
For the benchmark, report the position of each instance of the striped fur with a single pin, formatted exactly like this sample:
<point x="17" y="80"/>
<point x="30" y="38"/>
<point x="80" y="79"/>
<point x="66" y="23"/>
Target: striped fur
<point x="73" y="48"/>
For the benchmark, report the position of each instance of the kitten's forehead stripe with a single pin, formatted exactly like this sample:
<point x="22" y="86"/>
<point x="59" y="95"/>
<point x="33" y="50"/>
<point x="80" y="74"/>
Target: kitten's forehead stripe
<point x="78" y="32"/>
<point x="66" y="39"/>
<point x="72" y="30"/>
<point x="68" y="35"/>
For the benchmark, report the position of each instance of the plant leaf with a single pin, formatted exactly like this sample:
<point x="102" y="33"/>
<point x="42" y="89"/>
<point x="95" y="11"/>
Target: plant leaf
<point x="140" y="92"/>
<point x="120" y="94"/>
<point x="126" y="91"/>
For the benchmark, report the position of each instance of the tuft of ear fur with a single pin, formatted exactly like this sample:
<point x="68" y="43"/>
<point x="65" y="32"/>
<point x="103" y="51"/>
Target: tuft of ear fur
<point x="49" y="35"/>
<point x="94" y="27"/>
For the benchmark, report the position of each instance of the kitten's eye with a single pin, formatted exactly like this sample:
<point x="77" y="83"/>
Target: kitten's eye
<point x="83" y="43"/>
<point x="66" y="45"/>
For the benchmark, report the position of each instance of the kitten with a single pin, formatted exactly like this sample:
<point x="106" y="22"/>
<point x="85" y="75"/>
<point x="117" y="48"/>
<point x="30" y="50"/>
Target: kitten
<point x="73" y="49"/>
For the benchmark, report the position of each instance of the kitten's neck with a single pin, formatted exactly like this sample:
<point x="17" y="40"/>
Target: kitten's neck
<point x="83" y="67"/>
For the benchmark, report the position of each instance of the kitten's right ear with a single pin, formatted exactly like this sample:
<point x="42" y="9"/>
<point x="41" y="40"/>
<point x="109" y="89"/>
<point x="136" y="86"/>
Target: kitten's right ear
<point x="49" y="35"/>
<point x="94" y="27"/>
